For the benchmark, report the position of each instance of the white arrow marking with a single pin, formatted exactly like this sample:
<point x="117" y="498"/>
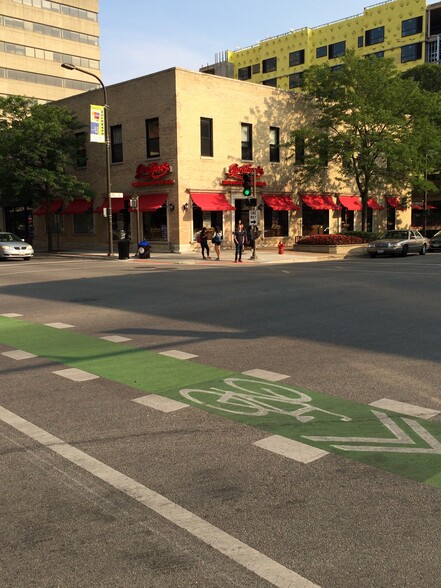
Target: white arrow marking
<point x="400" y="437"/>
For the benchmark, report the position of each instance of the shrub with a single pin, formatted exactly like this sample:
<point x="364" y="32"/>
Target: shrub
<point x="367" y="237"/>
<point x="330" y="240"/>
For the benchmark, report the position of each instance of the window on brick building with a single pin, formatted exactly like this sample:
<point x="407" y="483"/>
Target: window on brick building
<point x="116" y="143"/>
<point x="206" y="137"/>
<point x="247" y="141"/>
<point x="152" y="137"/>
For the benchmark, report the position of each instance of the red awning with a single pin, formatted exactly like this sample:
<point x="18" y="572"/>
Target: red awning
<point x="54" y="206"/>
<point x="78" y="206"/>
<point x="417" y="207"/>
<point x="351" y="202"/>
<point x="394" y="203"/>
<point x="280" y="202"/>
<point x="320" y="202"/>
<point x="211" y="201"/>
<point x="151" y="202"/>
<point x="117" y="205"/>
<point x="372" y="203"/>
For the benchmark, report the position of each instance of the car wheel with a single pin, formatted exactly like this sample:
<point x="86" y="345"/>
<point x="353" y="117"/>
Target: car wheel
<point x="372" y="255"/>
<point x="423" y="249"/>
<point x="404" y="251"/>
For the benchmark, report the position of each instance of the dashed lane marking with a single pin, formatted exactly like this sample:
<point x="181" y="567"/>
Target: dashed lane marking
<point x="160" y="403"/>
<point x="265" y="375"/>
<point x="177" y="354"/>
<point x="76" y="375"/>
<point x="18" y="354"/>
<point x="239" y="552"/>
<point x="405" y="408"/>
<point x="292" y="449"/>
<point x="115" y="338"/>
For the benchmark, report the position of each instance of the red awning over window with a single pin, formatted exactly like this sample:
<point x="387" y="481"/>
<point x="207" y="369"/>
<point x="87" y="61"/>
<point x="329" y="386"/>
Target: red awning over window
<point x="351" y="202"/>
<point x="211" y="201"/>
<point x="54" y="206"/>
<point x="280" y="202"/>
<point x="117" y="205"/>
<point x="372" y="203"/>
<point x="77" y="206"/>
<point x="394" y="203"/>
<point x="417" y="207"/>
<point x="151" y="202"/>
<point x="320" y="202"/>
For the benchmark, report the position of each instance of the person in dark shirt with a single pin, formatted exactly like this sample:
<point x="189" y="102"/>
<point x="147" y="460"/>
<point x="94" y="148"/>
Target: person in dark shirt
<point x="204" y="243"/>
<point x="239" y="241"/>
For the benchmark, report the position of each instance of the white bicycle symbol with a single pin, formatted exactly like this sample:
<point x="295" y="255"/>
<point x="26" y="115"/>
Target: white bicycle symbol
<point x="266" y="398"/>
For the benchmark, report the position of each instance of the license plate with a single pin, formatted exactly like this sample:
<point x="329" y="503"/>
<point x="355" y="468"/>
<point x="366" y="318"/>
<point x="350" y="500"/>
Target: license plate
<point x="435" y="245"/>
<point x="380" y="251"/>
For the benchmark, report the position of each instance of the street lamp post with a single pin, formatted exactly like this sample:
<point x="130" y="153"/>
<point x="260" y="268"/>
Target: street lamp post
<point x="71" y="66"/>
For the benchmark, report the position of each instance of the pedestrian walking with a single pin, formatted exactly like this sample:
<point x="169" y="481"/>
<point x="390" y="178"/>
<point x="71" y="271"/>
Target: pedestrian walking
<point x="204" y="243"/>
<point x="217" y="240"/>
<point x="239" y="241"/>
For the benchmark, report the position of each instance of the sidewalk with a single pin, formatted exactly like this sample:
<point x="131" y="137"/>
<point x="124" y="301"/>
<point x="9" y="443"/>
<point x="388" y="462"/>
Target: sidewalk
<point x="263" y="256"/>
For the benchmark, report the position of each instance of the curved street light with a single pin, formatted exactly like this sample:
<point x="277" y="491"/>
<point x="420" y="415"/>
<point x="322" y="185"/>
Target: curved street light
<point x="71" y="66"/>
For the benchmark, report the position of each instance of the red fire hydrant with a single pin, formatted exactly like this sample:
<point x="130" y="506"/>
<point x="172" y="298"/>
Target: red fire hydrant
<point x="281" y="247"/>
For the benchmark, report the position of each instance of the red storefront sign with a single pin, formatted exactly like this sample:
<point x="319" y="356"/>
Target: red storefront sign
<point x="152" y="174"/>
<point x="235" y="174"/>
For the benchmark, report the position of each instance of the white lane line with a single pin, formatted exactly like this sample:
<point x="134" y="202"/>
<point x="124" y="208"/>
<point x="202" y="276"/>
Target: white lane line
<point x="292" y="449"/>
<point x="265" y="375"/>
<point x="59" y="325"/>
<point x="160" y="403"/>
<point x="11" y="314"/>
<point x="18" y="354"/>
<point x="115" y="338"/>
<point x="76" y="375"/>
<point x="405" y="408"/>
<point x="241" y="553"/>
<point x="177" y="354"/>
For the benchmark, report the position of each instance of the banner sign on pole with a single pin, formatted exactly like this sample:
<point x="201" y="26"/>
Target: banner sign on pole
<point x="97" y="134"/>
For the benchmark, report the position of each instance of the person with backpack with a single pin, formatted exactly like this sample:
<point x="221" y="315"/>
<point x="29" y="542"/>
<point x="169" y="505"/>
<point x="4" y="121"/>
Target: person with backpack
<point x="204" y="243"/>
<point x="217" y="240"/>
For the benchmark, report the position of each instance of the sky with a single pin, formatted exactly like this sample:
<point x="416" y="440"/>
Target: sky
<point x="139" y="37"/>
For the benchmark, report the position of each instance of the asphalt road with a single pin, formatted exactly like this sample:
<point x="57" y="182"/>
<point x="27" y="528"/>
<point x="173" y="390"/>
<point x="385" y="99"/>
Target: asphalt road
<point x="98" y="490"/>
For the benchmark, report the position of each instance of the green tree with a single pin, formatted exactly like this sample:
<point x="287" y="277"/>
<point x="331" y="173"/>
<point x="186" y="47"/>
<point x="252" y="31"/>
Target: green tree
<point x="428" y="75"/>
<point x="372" y="124"/>
<point x="37" y="147"/>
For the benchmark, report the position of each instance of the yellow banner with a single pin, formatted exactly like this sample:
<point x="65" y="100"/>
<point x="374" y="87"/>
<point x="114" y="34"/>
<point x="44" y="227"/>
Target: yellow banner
<point x="97" y="114"/>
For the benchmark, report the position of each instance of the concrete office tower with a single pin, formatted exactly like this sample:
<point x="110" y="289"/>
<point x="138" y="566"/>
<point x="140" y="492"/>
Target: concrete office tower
<point x="37" y="36"/>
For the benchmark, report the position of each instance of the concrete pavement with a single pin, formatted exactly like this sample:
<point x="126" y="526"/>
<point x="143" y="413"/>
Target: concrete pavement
<point x="263" y="256"/>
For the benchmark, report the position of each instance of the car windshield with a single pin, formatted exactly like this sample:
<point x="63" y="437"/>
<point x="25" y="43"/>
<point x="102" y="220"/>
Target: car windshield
<point x="8" y="237"/>
<point x="395" y="235"/>
<point x="437" y="235"/>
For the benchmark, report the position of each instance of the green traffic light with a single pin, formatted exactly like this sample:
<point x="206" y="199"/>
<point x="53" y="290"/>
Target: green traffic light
<point x="246" y="192"/>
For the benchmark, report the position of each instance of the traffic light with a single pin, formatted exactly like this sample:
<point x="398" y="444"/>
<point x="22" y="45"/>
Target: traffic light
<point x="246" y="183"/>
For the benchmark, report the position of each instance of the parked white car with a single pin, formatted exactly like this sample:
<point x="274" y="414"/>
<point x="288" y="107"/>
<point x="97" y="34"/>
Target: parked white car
<point x="12" y="247"/>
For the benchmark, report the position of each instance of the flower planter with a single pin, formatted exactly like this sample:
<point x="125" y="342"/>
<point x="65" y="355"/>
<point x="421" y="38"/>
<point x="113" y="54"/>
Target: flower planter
<point x="341" y="250"/>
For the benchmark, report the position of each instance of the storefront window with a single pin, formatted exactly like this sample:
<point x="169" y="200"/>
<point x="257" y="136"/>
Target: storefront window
<point x="83" y="223"/>
<point x="56" y="223"/>
<point x="275" y="222"/>
<point x="206" y="218"/>
<point x="315" y="222"/>
<point x="155" y="225"/>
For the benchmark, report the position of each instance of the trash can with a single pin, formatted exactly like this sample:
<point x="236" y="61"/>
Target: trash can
<point x="123" y="248"/>
<point x="144" y="248"/>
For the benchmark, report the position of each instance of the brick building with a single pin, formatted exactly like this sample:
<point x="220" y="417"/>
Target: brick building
<point x="180" y="144"/>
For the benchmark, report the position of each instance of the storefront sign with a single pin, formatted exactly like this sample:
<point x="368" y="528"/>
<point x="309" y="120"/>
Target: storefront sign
<point x="235" y="174"/>
<point x="152" y="174"/>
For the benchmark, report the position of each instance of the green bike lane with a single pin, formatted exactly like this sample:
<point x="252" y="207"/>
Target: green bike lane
<point x="398" y="443"/>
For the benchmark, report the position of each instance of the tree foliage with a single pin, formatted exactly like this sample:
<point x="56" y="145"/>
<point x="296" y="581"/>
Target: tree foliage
<point x="373" y="125"/>
<point x="37" y="147"/>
